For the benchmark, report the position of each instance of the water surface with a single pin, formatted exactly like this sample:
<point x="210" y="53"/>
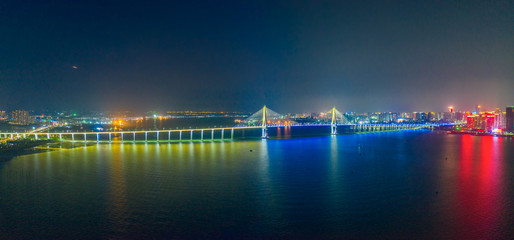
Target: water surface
<point x="393" y="185"/>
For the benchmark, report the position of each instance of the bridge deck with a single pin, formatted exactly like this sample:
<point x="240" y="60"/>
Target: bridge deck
<point x="194" y="135"/>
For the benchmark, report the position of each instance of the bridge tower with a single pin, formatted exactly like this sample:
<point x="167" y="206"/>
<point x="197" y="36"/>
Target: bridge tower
<point x="333" y="124"/>
<point x="264" y="123"/>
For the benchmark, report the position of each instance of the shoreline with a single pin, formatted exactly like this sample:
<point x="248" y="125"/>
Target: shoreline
<point x="481" y="134"/>
<point x="13" y="148"/>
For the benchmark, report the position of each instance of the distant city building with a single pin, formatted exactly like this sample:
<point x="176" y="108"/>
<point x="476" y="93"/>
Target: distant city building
<point x="3" y="115"/>
<point x="20" y="117"/>
<point x="487" y="121"/>
<point x="509" y="119"/>
<point x="499" y="119"/>
<point x="471" y="121"/>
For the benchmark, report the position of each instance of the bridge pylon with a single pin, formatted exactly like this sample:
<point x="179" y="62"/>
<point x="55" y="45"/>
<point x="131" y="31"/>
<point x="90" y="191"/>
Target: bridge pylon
<point x="264" y="123"/>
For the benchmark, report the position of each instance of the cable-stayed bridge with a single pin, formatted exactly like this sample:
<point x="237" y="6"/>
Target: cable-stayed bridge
<point x="263" y="119"/>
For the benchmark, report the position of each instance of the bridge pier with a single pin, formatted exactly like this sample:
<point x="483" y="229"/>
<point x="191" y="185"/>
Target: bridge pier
<point x="264" y="133"/>
<point x="97" y="137"/>
<point x="85" y="138"/>
<point x="180" y="136"/>
<point x="157" y="138"/>
<point x="222" y="132"/>
<point x="73" y="137"/>
<point x="212" y="135"/>
<point x="169" y="136"/>
<point x="201" y="137"/>
<point x="146" y="136"/>
<point x="134" y="137"/>
<point x="60" y="137"/>
<point x="232" y="134"/>
<point x="191" y="135"/>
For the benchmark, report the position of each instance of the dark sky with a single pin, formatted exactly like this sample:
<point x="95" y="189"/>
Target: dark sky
<point x="239" y="55"/>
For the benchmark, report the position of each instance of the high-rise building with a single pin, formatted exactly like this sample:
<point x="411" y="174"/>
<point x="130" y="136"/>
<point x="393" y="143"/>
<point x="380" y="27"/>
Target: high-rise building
<point x="20" y="117"/>
<point x="509" y="119"/>
<point x="460" y="116"/>
<point x="487" y="121"/>
<point x="471" y="121"/>
<point x="499" y="120"/>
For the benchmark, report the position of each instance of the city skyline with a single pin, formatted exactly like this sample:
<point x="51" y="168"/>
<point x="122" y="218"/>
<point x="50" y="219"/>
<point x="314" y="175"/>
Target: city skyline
<point x="233" y="56"/>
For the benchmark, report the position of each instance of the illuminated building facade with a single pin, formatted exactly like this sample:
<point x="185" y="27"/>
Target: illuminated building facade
<point x="20" y="117"/>
<point x="487" y="121"/>
<point x="471" y="121"/>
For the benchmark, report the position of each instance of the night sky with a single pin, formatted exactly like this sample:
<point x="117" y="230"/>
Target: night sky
<point x="238" y="55"/>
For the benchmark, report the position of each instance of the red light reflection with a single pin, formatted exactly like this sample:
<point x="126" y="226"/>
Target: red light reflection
<point x="478" y="197"/>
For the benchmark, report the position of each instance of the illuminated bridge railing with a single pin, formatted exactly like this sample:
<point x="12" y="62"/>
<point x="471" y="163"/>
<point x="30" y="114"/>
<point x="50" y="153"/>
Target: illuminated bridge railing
<point x="191" y="135"/>
<point x="196" y="135"/>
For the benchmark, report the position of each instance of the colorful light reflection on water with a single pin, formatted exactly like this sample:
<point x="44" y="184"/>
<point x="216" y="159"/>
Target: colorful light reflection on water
<point x="396" y="185"/>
